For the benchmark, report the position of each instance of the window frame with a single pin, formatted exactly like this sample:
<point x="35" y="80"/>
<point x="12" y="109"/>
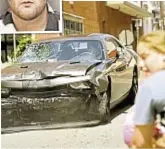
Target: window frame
<point x="75" y="24"/>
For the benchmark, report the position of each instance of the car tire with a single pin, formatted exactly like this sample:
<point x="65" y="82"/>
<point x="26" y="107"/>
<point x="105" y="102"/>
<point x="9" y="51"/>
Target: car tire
<point x="134" y="88"/>
<point x="104" y="107"/>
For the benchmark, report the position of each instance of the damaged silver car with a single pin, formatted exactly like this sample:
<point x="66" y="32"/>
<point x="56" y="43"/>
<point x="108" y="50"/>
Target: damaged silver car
<point x="91" y="74"/>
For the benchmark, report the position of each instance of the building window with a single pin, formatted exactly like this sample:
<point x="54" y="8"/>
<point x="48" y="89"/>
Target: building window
<point x="155" y="4"/>
<point x="73" y="24"/>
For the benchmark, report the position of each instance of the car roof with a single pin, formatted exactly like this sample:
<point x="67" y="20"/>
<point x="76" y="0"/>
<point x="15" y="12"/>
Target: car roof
<point x="94" y="36"/>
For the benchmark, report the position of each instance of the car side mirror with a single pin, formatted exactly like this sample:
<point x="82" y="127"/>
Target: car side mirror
<point x="113" y="54"/>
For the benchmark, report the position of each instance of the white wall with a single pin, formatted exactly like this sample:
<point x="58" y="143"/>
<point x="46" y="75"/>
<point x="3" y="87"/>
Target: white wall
<point x="54" y="3"/>
<point x="3" y="6"/>
<point x="147" y="25"/>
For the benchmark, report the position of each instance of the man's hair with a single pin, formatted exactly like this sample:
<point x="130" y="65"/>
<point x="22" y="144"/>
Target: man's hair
<point x="154" y="41"/>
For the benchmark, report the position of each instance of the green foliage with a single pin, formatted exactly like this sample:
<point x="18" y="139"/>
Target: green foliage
<point x="23" y="41"/>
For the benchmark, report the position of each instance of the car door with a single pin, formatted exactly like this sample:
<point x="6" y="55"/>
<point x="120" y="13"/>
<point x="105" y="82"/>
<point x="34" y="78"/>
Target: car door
<point x="129" y="62"/>
<point x="118" y="71"/>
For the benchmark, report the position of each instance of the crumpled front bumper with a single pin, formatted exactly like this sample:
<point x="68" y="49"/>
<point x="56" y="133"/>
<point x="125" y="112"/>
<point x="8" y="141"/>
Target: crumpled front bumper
<point x="29" y="113"/>
<point x="73" y="100"/>
<point x="34" y="84"/>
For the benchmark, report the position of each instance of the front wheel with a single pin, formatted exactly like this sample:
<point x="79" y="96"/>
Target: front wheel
<point x="104" y="107"/>
<point x="134" y="88"/>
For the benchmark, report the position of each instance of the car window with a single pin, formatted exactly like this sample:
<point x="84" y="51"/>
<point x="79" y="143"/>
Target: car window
<point x="119" y="48"/>
<point x="113" y="45"/>
<point x="110" y="46"/>
<point x="40" y="52"/>
<point x="76" y="50"/>
<point x="81" y="50"/>
<point x="127" y="55"/>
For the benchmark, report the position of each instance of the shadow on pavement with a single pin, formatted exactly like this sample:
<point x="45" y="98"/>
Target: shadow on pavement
<point x="119" y="109"/>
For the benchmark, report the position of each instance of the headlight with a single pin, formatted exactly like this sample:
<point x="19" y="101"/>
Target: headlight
<point x="5" y="92"/>
<point x="80" y="85"/>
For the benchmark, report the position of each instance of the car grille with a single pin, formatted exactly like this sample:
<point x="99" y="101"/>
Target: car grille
<point x="16" y="111"/>
<point x="60" y="91"/>
<point x="30" y="107"/>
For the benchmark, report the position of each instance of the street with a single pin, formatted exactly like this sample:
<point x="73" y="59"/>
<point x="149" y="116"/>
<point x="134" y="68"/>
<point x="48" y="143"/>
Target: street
<point x="102" y="136"/>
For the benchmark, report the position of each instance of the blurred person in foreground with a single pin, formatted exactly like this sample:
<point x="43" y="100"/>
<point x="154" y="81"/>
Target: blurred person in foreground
<point x="150" y="99"/>
<point x="29" y="15"/>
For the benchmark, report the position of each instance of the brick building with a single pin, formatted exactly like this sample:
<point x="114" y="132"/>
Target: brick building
<point x="96" y="16"/>
<point x="85" y="17"/>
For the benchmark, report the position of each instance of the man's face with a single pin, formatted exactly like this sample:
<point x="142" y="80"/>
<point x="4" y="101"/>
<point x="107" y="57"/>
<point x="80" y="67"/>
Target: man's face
<point x="27" y="9"/>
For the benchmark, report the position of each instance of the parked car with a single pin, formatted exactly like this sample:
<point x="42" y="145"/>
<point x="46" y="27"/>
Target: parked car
<point x="95" y="71"/>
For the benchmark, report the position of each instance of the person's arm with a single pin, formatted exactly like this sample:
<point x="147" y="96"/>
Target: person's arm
<point x="144" y="118"/>
<point x="143" y="136"/>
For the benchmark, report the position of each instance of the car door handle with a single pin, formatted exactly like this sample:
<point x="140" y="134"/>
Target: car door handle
<point x="121" y="68"/>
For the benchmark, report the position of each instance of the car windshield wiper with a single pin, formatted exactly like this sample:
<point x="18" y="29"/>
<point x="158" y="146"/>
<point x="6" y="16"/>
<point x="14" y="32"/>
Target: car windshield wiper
<point x="75" y="62"/>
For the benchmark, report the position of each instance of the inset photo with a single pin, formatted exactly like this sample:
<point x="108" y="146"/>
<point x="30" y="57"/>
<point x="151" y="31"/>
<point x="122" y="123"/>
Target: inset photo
<point x="30" y="16"/>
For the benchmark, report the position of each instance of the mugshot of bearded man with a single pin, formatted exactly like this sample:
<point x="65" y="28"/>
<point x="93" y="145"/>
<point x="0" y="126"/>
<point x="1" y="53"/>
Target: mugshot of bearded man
<point x="27" y="9"/>
<point x="31" y="15"/>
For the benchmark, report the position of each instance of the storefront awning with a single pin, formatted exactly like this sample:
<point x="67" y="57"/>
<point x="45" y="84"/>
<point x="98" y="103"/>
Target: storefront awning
<point x="129" y="8"/>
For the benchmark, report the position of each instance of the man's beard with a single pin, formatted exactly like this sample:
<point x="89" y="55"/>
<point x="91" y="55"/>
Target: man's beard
<point x="28" y="14"/>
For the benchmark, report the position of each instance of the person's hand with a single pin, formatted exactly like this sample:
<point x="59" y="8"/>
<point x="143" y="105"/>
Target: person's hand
<point x="160" y="142"/>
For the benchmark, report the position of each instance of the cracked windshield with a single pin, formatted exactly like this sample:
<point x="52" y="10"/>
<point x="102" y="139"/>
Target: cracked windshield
<point x="74" y="50"/>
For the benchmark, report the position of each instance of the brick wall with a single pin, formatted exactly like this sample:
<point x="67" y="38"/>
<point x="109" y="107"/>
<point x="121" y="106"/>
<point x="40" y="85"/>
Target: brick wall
<point x="97" y="18"/>
<point x="112" y="21"/>
<point x="40" y="37"/>
<point x="87" y="10"/>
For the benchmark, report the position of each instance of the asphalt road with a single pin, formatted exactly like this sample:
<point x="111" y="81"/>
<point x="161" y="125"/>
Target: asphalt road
<point x="101" y="136"/>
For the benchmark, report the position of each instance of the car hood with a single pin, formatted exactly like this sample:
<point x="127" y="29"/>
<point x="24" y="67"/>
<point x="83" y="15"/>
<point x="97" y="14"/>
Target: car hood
<point x="41" y="70"/>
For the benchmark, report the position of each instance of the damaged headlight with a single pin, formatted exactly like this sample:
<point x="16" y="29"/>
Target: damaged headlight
<point x="5" y="92"/>
<point x="80" y="85"/>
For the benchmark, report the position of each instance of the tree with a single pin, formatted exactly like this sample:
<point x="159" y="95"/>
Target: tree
<point x="23" y="41"/>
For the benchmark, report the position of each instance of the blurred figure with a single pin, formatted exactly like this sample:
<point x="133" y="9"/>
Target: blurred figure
<point x="150" y="99"/>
